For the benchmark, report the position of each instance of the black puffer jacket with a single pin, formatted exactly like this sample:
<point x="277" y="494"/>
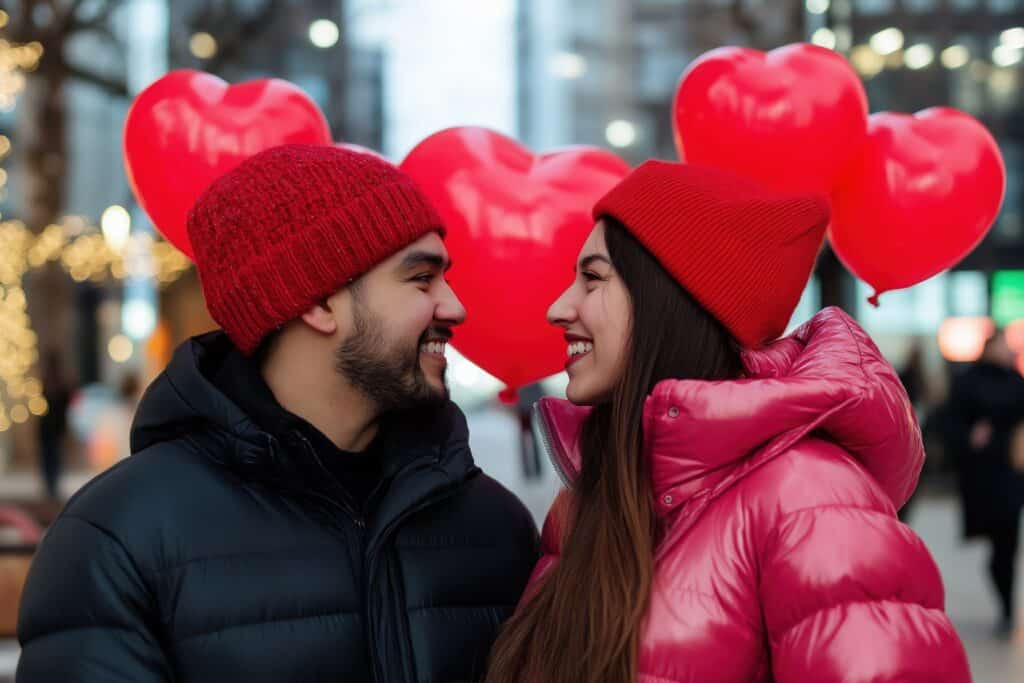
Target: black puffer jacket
<point x="992" y="491"/>
<point x="220" y="553"/>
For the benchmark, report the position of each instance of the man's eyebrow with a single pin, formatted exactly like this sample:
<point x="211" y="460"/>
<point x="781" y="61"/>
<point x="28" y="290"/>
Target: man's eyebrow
<point x="420" y="258"/>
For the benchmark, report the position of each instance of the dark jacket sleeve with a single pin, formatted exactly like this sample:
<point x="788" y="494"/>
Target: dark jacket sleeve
<point x="958" y="418"/>
<point x="86" y="612"/>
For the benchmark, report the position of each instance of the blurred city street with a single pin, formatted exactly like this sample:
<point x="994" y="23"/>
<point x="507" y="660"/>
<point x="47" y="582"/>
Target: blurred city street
<point x="494" y="439"/>
<point x="969" y="600"/>
<point x="505" y="123"/>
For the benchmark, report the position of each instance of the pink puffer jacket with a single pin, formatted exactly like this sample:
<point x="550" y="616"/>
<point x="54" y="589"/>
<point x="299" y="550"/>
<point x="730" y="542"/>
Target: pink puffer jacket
<point x="781" y="557"/>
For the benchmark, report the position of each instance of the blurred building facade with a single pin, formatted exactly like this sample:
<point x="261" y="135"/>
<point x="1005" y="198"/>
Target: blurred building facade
<point x="549" y="72"/>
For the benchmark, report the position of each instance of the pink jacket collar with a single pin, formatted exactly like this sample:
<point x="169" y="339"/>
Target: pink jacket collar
<point x="827" y="377"/>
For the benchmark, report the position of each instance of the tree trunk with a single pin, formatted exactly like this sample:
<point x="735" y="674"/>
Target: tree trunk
<point x="41" y="154"/>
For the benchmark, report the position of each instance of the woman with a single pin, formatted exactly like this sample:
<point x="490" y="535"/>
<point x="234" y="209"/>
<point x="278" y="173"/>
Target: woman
<point x="731" y="513"/>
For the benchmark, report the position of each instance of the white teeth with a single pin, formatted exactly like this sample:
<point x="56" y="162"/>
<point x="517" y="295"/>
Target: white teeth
<point x="433" y="347"/>
<point x="578" y="348"/>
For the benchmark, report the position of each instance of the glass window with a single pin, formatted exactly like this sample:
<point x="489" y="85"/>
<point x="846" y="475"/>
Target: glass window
<point x="448" y="68"/>
<point x="968" y="293"/>
<point x="964" y="6"/>
<point x="919" y="6"/>
<point x="917" y="310"/>
<point x="810" y="303"/>
<point x="1004" y="6"/>
<point x="873" y="6"/>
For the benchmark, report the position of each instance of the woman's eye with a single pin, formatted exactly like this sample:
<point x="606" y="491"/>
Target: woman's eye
<point x="590" y="277"/>
<point x="426" y="277"/>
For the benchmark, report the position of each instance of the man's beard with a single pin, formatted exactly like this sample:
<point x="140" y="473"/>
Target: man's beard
<point x="390" y="377"/>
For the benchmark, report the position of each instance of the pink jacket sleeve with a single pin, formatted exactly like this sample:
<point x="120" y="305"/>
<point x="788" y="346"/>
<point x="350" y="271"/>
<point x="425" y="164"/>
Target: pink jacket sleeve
<point x="550" y="542"/>
<point x="851" y="594"/>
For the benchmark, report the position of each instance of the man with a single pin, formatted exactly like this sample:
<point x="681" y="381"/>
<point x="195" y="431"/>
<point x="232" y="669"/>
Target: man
<point x="301" y="504"/>
<point x="986" y="406"/>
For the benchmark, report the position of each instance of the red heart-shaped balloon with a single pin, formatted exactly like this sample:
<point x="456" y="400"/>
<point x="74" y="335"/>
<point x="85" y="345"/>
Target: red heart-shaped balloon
<point x="189" y="127"/>
<point x="515" y="223"/>
<point x="792" y="118"/>
<point x="921" y="195"/>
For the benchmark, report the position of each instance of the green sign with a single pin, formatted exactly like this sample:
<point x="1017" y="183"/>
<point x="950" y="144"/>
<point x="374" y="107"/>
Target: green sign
<point x="1007" y="296"/>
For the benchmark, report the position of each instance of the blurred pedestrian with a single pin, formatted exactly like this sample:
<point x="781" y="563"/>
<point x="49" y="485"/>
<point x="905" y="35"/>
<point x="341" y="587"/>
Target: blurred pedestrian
<point x="915" y="381"/>
<point x="986" y="407"/>
<point x="53" y="426"/>
<point x="913" y="376"/>
<point x="110" y="441"/>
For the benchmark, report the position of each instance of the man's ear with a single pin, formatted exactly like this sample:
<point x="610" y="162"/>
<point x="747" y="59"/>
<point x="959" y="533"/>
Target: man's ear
<point x="321" y="318"/>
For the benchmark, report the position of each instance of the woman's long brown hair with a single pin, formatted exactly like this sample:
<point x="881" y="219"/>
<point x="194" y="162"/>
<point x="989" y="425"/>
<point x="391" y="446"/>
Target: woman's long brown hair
<point x="584" y="622"/>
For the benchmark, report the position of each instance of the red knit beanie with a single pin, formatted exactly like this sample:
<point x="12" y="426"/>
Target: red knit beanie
<point x="294" y="224"/>
<point x="743" y="251"/>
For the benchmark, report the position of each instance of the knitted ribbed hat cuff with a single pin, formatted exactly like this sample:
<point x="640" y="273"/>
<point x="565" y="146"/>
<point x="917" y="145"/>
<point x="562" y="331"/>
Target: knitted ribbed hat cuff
<point x="320" y="260"/>
<point x="743" y="251"/>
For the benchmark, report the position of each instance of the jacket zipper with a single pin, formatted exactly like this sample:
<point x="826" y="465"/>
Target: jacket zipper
<point x="344" y="504"/>
<point x="382" y="538"/>
<point x="360" y="522"/>
<point x="369" y="559"/>
<point x="542" y="436"/>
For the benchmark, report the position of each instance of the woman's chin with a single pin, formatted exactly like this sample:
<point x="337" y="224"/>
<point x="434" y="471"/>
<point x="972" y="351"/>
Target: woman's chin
<point x="579" y="394"/>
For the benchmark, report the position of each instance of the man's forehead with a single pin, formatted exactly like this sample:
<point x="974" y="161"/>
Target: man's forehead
<point x="428" y="245"/>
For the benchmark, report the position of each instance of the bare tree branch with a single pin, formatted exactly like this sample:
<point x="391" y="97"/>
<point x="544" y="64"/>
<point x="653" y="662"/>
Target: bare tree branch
<point x="743" y="21"/>
<point x="75" y="6"/>
<point x="230" y="44"/>
<point x="59" y="18"/>
<point x="104" y="31"/>
<point x="19" y="29"/>
<point x="111" y="86"/>
<point x="99" y="19"/>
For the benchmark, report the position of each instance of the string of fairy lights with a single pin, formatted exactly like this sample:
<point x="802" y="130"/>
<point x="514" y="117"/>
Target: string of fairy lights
<point x="87" y="252"/>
